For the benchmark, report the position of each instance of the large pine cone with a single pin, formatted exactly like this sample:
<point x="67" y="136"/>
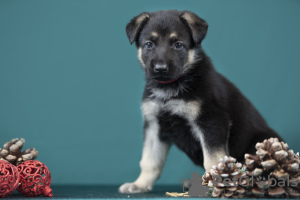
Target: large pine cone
<point x="274" y="170"/>
<point x="228" y="173"/>
<point x="12" y="152"/>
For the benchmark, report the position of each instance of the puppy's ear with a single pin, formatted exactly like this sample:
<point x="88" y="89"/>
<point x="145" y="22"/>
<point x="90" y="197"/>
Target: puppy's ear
<point x="135" y="26"/>
<point x="196" y="24"/>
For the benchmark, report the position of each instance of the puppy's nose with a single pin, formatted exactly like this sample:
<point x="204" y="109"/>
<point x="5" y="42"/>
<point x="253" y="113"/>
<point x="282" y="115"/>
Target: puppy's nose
<point x="160" y="68"/>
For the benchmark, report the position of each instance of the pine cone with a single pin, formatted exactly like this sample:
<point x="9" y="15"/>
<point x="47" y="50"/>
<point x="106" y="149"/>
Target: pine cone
<point x="12" y="152"/>
<point x="229" y="173"/>
<point x="274" y="170"/>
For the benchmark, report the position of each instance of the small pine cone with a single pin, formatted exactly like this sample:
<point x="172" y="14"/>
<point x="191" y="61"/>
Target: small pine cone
<point x="274" y="170"/>
<point x="226" y="175"/>
<point x="11" y="152"/>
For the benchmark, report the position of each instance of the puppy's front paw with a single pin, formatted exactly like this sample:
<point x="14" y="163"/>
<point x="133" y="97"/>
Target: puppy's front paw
<point x="133" y="188"/>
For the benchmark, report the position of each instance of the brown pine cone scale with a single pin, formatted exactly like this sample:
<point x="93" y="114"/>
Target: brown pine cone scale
<point x="274" y="170"/>
<point x="12" y="153"/>
<point x="228" y="173"/>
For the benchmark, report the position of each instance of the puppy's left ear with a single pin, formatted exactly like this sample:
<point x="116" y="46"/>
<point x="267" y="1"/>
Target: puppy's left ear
<point x="197" y="25"/>
<point x="135" y="26"/>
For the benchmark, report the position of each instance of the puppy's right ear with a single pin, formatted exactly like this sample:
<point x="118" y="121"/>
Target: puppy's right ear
<point x="135" y="26"/>
<point x="196" y="24"/>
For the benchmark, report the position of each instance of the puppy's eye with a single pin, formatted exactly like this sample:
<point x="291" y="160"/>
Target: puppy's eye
<point x="149" y="45"/>
<point x="178" y="45"/>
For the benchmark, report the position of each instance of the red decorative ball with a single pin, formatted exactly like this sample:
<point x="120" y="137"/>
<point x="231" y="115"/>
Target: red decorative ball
<point x="9" y="178"/>
<point x="35" y="179"/>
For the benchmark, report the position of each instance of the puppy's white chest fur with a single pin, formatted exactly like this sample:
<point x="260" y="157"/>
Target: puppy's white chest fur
<point x="189" y="110"/>
<point x="162" y="94"/>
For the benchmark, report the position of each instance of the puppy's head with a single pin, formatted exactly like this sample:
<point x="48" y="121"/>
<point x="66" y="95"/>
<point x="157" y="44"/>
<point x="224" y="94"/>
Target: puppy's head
<point x="167" y="42"/>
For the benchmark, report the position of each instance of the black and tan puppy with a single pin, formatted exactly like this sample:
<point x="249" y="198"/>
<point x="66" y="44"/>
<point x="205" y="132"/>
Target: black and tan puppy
<point x="186" y="102"/>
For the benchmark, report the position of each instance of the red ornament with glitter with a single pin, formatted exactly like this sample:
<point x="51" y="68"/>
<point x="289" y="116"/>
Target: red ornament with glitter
<point x="9" y="178"/>
<point x="35" y="179"/>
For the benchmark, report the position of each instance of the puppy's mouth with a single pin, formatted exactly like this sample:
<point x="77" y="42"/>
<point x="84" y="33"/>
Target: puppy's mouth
<point x="165" y="80"/>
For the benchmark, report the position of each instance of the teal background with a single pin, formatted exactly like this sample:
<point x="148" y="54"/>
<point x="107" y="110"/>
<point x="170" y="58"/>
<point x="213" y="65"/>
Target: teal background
<point x="71" y="85"/>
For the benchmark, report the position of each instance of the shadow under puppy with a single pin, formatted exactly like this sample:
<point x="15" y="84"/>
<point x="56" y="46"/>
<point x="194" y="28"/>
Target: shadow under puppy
<point x="186" y="102"/>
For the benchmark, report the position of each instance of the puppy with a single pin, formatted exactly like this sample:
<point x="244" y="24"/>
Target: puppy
<point x="186" y="102"/>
